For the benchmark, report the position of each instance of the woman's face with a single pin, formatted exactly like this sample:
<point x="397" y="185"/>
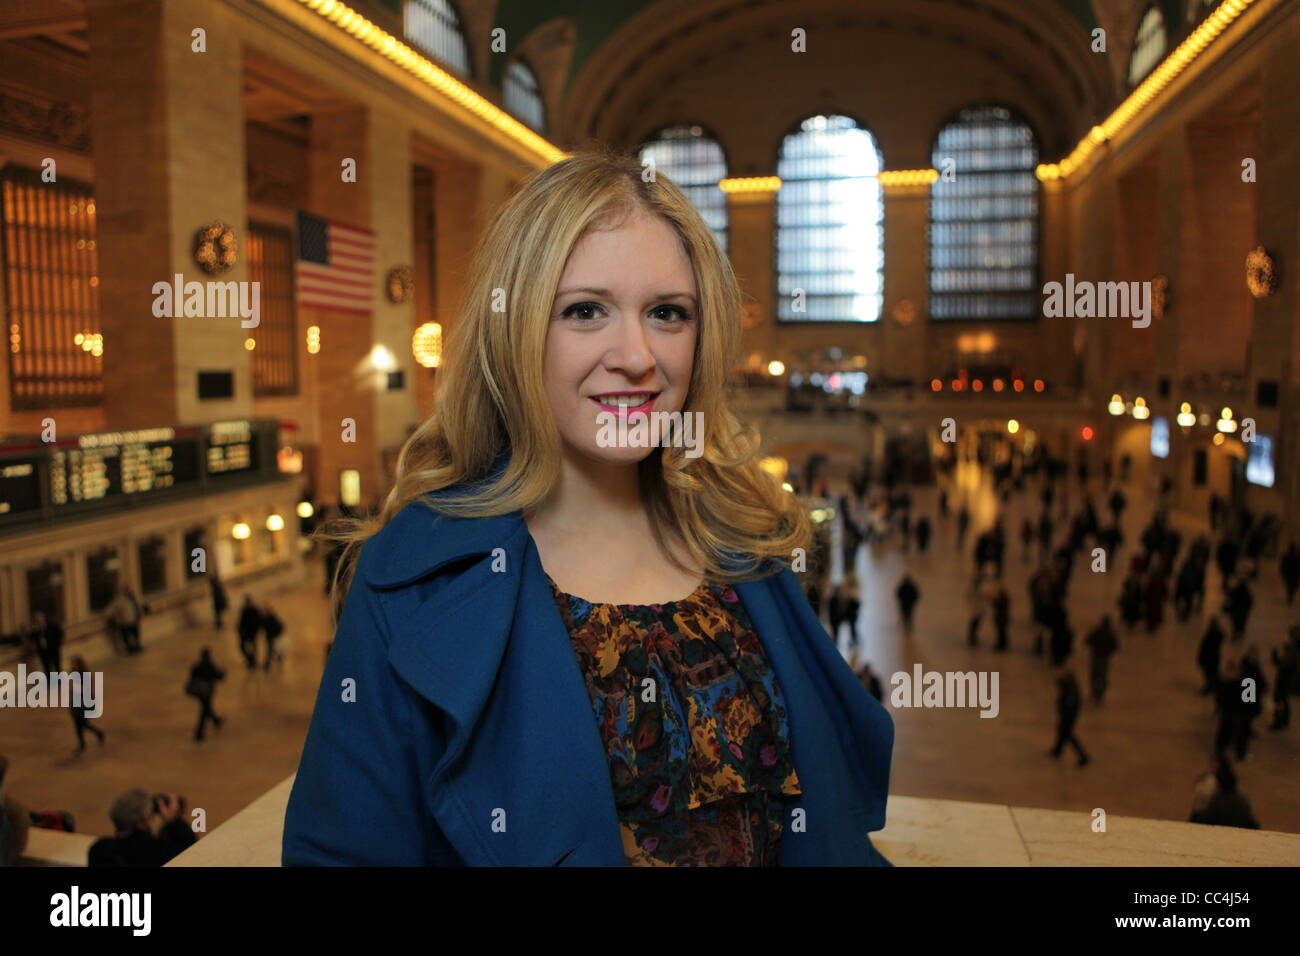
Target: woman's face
<point x="625" y="319"/>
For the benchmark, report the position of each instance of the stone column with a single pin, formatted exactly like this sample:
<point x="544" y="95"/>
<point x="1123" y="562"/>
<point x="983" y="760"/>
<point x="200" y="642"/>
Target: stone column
<point x="347" y="378"/>
<point x="904" y="350"/>
<point x="1275" y="345"/>
<point x="751" y="234"/>
<point x="1173" y="181"/>
<point x="167" y="127"/>
<point x="392" y="218"/>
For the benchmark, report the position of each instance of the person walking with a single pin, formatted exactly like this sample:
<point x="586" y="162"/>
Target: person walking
<point x="1102" y="643"/>
<point x="1290" y="567"/>
<point x="80" y="722"/>
<point x="1040" y="602"/>
<point x="1067" y="714"/>
<point x="1001" y="615"/>
<point x="250" y="622"/>
<point x="835" y="611"/>
<point x="1061" y="634"/>
<point x="1185" y="588"/>
<point x="922" y="531"/>
<point x="908" y="594"/>
<point x="124" y="617"/>
<point x="219" y="600"/>
<point x="1046" y="527"/>
<point x="975" y="606"/>
<point x="1286" y="682"/>
<point x="274" y="630"/>
<point x="1238" y="606"/>
<point x="48" y="637"/>
<point x="963" y="525"/>
<point x="1130" y="600"/>
<point x="1252" y="670"/>
<point x="851" y="608"/>
<point x="1208" y="655"/>
<point x="1026" y="539"/>
<point x="997" y="546"/>
<point x="202" y="684"/>
<point x="1117" y="504"/>
<point x="1156" y="590"/>
<point x="1225" y="556"/>
<point x="1234" y="725"/>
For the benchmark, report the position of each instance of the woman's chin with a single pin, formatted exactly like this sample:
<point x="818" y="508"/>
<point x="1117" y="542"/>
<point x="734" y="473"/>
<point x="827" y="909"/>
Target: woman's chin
<point x="617" y="455"/>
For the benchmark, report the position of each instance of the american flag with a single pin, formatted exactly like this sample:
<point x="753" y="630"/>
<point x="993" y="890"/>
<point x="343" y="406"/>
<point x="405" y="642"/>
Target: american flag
<point x="334" y="268"/>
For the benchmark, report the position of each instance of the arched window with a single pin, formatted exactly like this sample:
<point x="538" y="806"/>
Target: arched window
<point x="434" y="27"/>
<point x="695" y="162"/>
<point x="830" y="234"/>
<point x="1148" y="46"/>
<point x="524" y="95"/>
<point x="984" y="218"/>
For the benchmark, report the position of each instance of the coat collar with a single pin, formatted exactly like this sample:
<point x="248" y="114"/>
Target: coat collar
<point x="419" y="541"/>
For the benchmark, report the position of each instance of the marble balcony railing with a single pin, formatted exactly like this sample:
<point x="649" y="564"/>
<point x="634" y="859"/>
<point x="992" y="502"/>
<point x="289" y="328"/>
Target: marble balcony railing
<point x="920" y="832"/>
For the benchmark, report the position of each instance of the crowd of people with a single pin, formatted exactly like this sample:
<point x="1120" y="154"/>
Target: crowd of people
<point x="1162" y="574"/>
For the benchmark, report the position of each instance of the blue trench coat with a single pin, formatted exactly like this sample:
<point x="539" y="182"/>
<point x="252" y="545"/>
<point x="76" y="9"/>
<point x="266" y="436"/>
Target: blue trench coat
<point x="471" y="738"/>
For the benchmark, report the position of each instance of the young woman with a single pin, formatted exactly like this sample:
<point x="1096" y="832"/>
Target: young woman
<point x="556" y="645"/>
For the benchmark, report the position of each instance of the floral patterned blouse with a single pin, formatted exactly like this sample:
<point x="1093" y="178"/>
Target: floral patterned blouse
<point x="693" y="724"/>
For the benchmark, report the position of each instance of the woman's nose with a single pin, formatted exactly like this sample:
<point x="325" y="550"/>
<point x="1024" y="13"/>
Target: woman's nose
<point x="630" y="350"/>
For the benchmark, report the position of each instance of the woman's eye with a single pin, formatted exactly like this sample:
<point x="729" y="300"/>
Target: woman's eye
<point x="577" y="307"/>
<point x="680" y="312"/>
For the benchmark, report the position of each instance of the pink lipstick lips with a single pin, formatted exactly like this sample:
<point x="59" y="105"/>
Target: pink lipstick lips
<point x="623" y="411"/>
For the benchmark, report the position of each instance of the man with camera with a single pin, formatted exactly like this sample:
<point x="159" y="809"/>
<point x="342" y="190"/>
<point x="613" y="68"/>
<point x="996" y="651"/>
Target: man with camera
<point x="135" y="843"/>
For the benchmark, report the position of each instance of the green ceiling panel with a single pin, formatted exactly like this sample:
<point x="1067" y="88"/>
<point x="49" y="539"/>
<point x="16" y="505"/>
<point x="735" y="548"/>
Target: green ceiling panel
<point x="597" y="19"/>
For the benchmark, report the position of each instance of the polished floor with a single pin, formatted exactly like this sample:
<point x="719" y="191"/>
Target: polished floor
<point x="1149" y="740"/>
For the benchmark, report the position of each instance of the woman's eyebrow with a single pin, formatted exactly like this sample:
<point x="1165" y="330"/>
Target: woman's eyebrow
<point x="609" y="295"/>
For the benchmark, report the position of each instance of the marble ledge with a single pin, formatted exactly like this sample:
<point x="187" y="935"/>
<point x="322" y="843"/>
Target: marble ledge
<point x="920" y="832"/>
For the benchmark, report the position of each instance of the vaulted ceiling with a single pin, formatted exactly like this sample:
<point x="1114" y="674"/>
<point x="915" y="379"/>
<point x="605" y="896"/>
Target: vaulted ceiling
<point x="598" y="19"/>
<point x="629" y="64"/>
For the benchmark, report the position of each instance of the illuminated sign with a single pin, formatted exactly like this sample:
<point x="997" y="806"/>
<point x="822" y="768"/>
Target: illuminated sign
<point x="122" y="463"/>
<point x="231" y="448"/>
<point x="1160" y="436"/>
<point x="1259" y="461"/>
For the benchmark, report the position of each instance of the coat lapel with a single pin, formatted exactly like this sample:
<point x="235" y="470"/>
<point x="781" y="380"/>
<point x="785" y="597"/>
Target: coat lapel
<point x="523" y="782"/>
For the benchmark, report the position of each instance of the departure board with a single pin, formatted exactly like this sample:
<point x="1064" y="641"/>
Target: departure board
<point x="20" y="486"/>
<point x="123" y="463"/>
<point x="231" y="449"/>
<point x="86" y="474"/>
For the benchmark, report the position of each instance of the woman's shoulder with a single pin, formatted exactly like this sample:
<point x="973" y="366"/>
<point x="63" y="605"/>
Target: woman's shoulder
<point x="420" y="538"/>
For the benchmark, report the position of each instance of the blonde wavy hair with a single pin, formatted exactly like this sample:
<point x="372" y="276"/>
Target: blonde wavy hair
<point x="490" y="395"/>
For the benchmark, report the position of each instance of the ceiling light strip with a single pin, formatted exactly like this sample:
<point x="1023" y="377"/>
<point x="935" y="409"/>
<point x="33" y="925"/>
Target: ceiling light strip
<point x="1164" y="74"/>
<point x="479" y="109"/>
